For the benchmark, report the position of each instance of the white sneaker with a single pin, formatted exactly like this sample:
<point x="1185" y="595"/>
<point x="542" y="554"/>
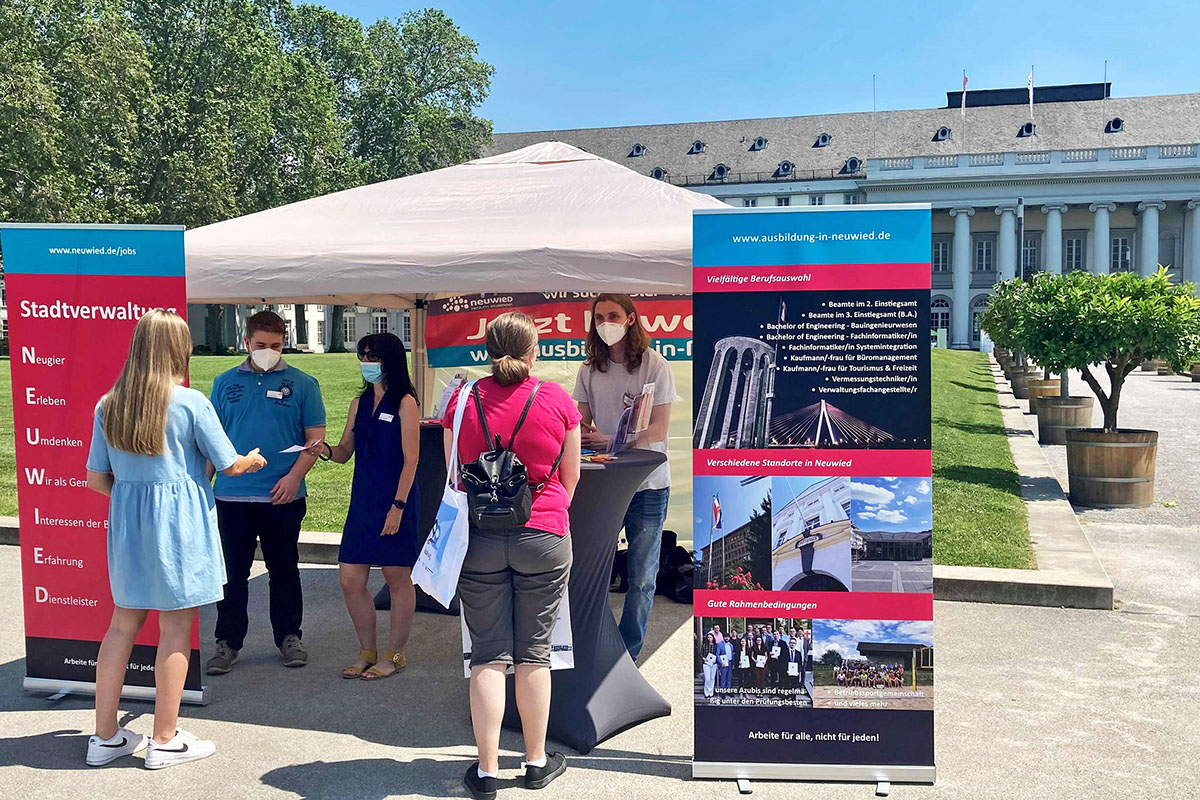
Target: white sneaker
<point x="183" y="748"/>
<point x="124" y="743"/>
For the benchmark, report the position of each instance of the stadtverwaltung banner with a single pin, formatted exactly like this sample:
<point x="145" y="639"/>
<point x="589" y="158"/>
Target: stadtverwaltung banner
<point x="812" y="494"/>
<point x="75" y="293"/>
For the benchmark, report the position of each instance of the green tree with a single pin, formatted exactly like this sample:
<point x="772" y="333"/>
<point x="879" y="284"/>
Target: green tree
<point x="760" y="541"/>
<point x="832" y="658"/>
<point x="1086" y="321"/>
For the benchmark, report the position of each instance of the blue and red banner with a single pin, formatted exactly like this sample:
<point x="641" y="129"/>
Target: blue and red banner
<point x="814" y="599"/>
<point x="455" y="326"/>
<point x="74" y="295"/>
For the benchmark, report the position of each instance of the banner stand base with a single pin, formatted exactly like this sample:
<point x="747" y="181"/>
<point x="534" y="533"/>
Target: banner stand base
<point x="60" y="688"/>
<point x="882" y="775"/>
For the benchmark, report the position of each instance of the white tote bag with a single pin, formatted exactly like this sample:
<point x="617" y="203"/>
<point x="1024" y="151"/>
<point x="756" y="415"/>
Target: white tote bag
<point x="441" y="559"/>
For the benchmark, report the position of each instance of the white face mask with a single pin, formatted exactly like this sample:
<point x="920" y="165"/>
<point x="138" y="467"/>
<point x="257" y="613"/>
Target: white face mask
<point x="611" y="332"/>
<point x="265" y="359"/>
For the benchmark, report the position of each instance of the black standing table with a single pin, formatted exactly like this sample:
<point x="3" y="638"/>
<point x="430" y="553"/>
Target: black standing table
<point x="605" y="693"/>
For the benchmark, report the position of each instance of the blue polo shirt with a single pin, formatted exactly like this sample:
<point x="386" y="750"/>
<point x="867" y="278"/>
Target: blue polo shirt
<point x="267" y="410"/>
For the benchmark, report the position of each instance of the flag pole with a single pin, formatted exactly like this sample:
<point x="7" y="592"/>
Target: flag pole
<point x="874" y="151"/>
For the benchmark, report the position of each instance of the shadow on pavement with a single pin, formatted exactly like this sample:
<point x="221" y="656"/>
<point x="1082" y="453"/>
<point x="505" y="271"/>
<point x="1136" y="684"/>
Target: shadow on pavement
<point x="379" y="778"/>
<point x="425" y="706"/>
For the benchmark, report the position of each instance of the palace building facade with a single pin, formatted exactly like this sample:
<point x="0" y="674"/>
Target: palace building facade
<point x="1085" y="182"/>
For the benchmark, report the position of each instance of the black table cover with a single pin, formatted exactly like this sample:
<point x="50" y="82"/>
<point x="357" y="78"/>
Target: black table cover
<point x="605" y="693"/>
<point x="431" y="477"/>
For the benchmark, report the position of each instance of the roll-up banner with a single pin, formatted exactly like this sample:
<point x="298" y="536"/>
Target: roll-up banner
<point x="74" y="294"/>
<point x="812" y="493"/>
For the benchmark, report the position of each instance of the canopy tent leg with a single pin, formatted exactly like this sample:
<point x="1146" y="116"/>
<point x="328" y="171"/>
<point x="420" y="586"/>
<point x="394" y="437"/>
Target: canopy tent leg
<point x="420" y="359"/>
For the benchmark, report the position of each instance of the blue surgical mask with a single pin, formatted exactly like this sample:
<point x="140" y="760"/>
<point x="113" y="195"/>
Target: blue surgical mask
<point x="372" y="371"/>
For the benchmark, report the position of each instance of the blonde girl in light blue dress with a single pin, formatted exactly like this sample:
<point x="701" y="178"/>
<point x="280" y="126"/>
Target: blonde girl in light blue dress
<point x="151" y="444"/>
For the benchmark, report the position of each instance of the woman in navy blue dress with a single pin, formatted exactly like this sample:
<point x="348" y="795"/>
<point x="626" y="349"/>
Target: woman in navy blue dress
<point x="383" y="435"/>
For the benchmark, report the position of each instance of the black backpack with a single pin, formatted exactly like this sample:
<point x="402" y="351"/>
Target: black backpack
<point x="499" y="496"/>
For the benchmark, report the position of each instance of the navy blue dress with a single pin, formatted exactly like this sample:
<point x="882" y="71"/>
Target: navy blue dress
<point x="378" y="461"/>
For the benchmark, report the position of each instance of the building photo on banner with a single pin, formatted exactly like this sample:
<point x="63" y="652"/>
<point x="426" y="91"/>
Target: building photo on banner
<point x="813" y="513"/>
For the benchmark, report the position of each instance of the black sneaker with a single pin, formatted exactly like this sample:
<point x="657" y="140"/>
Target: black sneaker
<point x="540" y="777"/>
<point x="480" y="788"/>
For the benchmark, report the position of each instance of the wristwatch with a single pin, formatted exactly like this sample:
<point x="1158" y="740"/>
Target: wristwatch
<point x="398" y="504"/>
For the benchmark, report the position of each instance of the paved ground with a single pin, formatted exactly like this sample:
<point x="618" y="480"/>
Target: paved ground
<point x="1031" y="702"/>
<point x="893" y="576"/>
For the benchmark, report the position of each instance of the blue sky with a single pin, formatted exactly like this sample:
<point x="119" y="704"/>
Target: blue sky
<point x="844" y="635"/>
<point x="737" y="504"/>
<point x="570" y="65"/>
<point x="891" y="504"/>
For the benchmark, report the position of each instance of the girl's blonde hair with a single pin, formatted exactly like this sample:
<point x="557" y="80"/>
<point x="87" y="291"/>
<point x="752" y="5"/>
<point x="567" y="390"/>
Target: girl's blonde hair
<point x="135" y="409"/>
<point x="511" y="339"/>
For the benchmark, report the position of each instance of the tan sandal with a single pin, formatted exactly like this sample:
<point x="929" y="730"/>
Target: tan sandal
<point x="375" y="674"/>
<point x="354" y="670"/>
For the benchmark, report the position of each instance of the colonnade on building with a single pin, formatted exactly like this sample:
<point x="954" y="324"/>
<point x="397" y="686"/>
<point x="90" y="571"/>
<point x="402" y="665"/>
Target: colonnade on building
<point x="975" y="246"/>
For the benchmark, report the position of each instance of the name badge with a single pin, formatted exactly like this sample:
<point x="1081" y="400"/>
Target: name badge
<point x="386" y="417"/>
<point x="274" y="394"/>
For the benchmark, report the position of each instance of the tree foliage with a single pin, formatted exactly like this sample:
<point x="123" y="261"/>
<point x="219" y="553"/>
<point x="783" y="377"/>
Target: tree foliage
<point x="1115" y="322"/>
<point x="193" y="111"/>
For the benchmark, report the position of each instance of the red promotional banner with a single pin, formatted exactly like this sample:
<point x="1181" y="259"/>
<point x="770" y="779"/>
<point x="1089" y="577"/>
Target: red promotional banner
<point x="74" y="295"/>
<point x="455" y="326"/>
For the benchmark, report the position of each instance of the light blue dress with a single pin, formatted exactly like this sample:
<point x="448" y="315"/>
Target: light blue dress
<point x="164" y="551"/>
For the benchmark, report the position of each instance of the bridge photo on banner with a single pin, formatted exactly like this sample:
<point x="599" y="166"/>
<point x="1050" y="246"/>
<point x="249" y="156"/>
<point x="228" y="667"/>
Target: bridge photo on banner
<point x="813" y="508"/>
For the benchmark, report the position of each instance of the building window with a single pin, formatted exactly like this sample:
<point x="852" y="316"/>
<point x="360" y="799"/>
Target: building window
<point x="1074" y="252"/>
<point x="749" y="202"/>
<point x="985" y="255"/>
<point x="939" y="314"/>
<point x="940" y="256"/>
<point x="1031" y="254"/>
<point x="350" y="326"/>
<point x="3" y="295"/>
<point x="816" y="199"/>
<point x="288" y="340"/>
<point x="1120" y="257"/>
<point x="5" y="322"/>
<point x="406" y="326"/>
<point x="379" y="320"/>
<point x="321" y="333"/>
<point x="783" y="201"/>
<point x="978" y="308"/>
<point x="851" y="199"/>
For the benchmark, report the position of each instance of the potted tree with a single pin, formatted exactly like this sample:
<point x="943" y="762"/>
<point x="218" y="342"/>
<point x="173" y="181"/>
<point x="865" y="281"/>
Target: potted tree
<point x="1000" y="323"/>
<point x="1105" y="326"/>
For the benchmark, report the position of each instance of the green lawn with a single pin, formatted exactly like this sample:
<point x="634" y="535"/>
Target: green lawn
<point x="979" y="518"/>
<point x="978" y="515"/>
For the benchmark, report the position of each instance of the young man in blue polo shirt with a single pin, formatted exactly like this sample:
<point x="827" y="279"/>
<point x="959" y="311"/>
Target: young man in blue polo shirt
<point x="276" y="406"/>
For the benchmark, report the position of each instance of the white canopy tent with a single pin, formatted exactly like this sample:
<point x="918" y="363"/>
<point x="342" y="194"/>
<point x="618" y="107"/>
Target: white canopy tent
<point x="548" y="217"/>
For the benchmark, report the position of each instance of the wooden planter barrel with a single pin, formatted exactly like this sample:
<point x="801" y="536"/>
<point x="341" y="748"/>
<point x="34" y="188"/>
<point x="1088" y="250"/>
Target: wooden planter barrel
<point x="1165" y="371"/>
<point x="1057" y="415"/>
<point x="1111" y="470"/>
<point x="1196" y="373"/>
<point x="1150" y="366"/>
<point x="1020" y="381"/>
<point x="1037" y="388"/>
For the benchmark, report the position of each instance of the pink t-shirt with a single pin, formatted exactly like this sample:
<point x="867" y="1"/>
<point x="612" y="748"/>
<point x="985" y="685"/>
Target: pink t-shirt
<point x="539" y="441"/>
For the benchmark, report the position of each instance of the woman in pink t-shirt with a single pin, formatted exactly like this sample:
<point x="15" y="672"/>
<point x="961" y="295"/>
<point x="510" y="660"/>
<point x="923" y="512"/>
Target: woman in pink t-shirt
<point x="513" y="580"/>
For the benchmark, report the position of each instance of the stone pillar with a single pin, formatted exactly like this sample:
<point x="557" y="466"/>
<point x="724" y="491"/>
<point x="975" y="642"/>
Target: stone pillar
<point x="1148" y="258"/>
<point x="1006" y="243"/>
<point x="960" y="315"/>
<point x="1191" y="233"/>
<point x="1101" y="240"/>
<point x="1054" y="214"/>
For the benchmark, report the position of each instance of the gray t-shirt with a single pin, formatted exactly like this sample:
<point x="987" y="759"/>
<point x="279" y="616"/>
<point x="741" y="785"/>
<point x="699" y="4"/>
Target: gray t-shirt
<point x="609" y="393"/>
